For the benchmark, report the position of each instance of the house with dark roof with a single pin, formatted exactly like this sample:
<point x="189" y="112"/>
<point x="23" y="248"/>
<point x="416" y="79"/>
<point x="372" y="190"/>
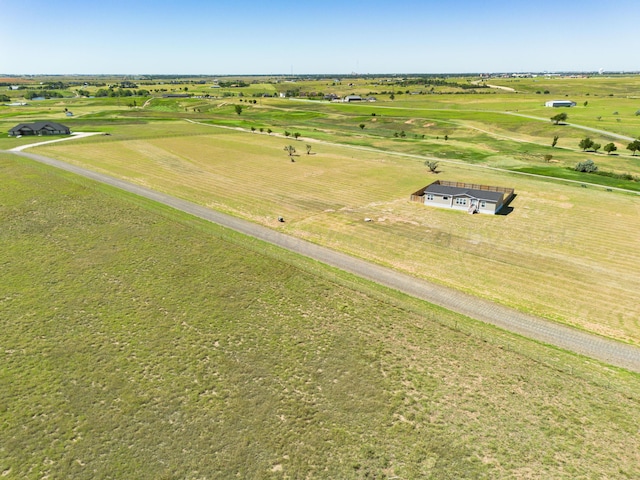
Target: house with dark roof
<point x="470" y="197"/>
<point x="39" y="128"/>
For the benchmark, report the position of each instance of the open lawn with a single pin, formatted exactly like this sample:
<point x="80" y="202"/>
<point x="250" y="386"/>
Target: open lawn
<point x="142" y="343"/>
<point x="564" y="252"/>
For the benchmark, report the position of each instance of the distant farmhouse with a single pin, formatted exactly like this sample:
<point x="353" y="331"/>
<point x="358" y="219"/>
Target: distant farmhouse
<point x="470" y="197"/>
<point x="352" y="98"/>
<point x="560" y="103"/>
<point x="39" y="128"/>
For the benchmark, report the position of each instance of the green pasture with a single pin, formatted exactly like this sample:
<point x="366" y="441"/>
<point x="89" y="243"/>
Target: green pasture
<point x="594" y="86"/>
<point x="473" y="136"/>
<point x="325" y="194"/>
<point x="142" y="343"/>
<point x="564" y="252"/>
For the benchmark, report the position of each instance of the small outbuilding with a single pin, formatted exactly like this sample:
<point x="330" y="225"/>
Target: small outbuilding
<point x="39" y="128"/>
<point x="560" y="103"/>
<point x="352" y="98"/>
<point x="471" y="197"/>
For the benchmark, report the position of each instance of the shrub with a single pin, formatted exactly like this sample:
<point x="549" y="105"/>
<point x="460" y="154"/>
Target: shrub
<point x="588" y="166"/>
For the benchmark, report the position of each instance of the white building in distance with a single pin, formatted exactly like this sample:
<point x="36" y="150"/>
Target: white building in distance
<point x="560" y="103"/>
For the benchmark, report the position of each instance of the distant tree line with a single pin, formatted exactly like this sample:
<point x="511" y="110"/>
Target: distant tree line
<point x="439" y="82"/>
<point x="55" y="85"/>
<point x="233" y="83"/>
<point x="31" y="94"/>
<point x="121" y="92"/>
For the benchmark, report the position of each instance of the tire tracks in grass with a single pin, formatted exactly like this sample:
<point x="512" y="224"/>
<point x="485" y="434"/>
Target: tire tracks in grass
<point x="541" y="330"/>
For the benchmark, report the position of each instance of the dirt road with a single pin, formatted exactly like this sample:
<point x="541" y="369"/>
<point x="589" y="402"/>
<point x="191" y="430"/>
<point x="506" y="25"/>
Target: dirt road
<point x="604" y="133"/>
<point x="603" y="349"/>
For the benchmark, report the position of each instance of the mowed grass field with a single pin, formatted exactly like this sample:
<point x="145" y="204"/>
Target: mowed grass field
<point x="563" y="252"/>
<point x="141" y="343"/>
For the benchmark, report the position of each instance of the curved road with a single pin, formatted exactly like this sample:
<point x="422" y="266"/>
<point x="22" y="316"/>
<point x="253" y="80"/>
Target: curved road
<point x="606" y="350"/>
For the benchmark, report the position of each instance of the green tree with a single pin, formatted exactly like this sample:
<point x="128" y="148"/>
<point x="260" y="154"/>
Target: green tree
<point x="555" y="140"/>
<point x="290" y="149"/>
<point x="585" y="144"/>
<point x="586" y="103"/>
<point x="432" y="165"/>
<point x="548" y="157"/>
<point x="634" y="146"/>
<point x="446" y="137"/>
<point x="561" y="117"/>
<point x="286" y="133"/>
<point x="392" y="96"/>
<point x="610" y="147"/>
<point x="308" y="149"/>
<point x="362" y="126"/>
<point x="269" y="131"/>
<point x="296" y="135"/>
<point x="238" y="109"/>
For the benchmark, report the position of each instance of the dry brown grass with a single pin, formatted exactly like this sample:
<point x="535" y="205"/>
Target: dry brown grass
<point x="566" y="253"/>
<point x="139" y="342"/>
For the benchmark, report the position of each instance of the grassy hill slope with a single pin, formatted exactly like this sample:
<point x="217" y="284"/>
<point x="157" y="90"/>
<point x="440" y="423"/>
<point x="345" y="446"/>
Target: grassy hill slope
<point x="141" y="343"/>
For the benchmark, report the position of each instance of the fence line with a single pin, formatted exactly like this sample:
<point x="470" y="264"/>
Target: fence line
<point x="418" y="195"/>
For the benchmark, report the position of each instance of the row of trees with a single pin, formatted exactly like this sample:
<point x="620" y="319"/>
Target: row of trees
<point x="287" y="133"/>
<point x="588" y="144"/>
<point x="121" y="92"/>
<point x="31" y="94"/>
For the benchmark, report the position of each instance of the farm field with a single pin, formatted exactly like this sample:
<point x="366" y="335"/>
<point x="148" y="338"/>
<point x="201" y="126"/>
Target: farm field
<point x="142" y="343"/>
<point x="563" y="252"/>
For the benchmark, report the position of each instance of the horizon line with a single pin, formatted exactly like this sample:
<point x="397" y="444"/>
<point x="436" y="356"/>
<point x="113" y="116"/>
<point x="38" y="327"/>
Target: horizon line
<point x="352" y="74"/>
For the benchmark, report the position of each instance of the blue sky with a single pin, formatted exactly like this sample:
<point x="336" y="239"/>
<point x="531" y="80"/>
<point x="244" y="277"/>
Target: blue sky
<point x="285" y="36"/>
